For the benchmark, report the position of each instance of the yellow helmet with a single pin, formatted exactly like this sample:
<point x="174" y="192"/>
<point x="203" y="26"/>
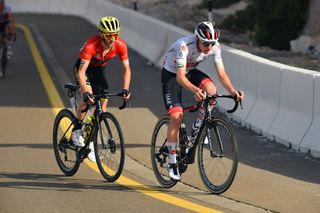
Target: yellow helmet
<point x="109" y="24"/>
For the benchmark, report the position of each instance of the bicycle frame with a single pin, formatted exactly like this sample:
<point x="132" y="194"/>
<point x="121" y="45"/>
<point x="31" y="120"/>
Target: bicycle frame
<point x="93" y="125"/>
<point x="209" y="116"/>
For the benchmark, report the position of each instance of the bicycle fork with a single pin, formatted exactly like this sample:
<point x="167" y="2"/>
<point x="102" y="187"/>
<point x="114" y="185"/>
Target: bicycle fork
<point x="210" y="142"/>
<point x="110" y="144"/>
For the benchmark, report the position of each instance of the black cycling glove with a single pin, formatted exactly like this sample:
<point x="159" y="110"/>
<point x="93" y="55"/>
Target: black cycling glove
<point x="86" y="96"/>
<point x="126" y="92"/>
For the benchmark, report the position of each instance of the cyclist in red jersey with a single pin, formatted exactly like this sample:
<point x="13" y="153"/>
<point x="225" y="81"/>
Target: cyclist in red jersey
<point x="89" y="67"/>
<point x="7" y="26"/>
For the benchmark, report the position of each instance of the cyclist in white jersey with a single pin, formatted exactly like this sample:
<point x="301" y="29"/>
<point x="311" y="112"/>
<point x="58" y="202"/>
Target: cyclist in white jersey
<point x="180" y="71"/>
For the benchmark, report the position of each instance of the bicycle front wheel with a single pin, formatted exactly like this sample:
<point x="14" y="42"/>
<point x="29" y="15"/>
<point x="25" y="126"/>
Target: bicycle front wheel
<point x="217" y="156"/>
<point x="64" y="149"/>
<point x="109" y="147"/>
<point x="160" y="153"/>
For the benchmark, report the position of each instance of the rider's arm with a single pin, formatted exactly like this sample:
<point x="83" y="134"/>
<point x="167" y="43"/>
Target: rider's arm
<point x="82" y="75"/>
<point x="123" y="53"/>
<point x="126" y="74"/>
<point x="224" y="79"/>
<point x="222" y="74"/>
<point x="226" y="82"/>
<point x="184" y="81"/>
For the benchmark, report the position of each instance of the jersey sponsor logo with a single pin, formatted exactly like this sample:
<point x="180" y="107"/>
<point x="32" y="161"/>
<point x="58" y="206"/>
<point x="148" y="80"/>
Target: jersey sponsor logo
<point x="168" y="99"/>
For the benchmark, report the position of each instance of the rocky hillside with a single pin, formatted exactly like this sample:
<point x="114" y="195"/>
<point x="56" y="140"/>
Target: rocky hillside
<point x="185" y="14"/>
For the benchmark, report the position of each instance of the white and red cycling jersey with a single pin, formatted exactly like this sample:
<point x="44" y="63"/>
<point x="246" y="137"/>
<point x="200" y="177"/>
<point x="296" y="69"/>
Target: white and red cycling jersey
<point x="185" y="52"/>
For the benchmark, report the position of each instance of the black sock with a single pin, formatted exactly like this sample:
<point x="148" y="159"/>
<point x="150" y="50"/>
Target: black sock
<point x="77" y="124"/>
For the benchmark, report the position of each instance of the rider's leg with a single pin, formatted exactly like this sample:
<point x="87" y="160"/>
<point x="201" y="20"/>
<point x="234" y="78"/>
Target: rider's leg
<point x="172" y="140"/>
<point x="172" y="92"/>
<point x="207" y="85"/>
<point x="99" y="84"/>
<point x="10" y="32"/>
<point x="77" y="136"/>
<point x="104" y="104"/>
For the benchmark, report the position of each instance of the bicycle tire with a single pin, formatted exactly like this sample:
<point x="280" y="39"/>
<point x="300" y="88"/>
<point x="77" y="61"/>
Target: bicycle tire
<point x="4" y="60"/>
<point x="110" y="158"/>
<point x="158" y="156"/>
<point x="218" y="172"/>
<point x="64" y="150"/>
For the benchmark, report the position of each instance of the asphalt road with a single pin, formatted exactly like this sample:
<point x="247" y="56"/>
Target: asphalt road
<point x="270" y="177"/>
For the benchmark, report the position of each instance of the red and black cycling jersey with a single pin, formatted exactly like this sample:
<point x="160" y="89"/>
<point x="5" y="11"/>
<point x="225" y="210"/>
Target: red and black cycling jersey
<point x="5" y="17"/>
<point x="93" y="50"/>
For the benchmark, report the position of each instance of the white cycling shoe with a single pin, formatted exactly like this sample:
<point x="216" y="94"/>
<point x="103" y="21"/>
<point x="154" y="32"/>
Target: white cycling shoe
<point x="91" y="155"/>
<point x="206" y="141"/>
<point x="77" y="138"/>
<point x="173" y="171"/>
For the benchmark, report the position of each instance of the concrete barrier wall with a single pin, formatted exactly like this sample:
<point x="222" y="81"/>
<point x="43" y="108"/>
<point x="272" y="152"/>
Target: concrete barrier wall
<point x="268" y="97"/>
<point x="311" y="140"/>
<point x="282" y="102"/>
<point x="296" y="107"/>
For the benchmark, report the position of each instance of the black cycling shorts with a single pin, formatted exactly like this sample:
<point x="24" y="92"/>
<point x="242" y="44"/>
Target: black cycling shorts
<point x="95" y="77"/>
<point x="172" y="90"/>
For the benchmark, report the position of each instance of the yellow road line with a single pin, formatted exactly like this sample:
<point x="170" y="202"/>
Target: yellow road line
<point x="57" y="105"/>
<point x="51" y="90"/>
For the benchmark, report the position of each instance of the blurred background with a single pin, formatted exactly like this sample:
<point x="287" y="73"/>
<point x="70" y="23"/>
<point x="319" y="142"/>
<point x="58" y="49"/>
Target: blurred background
<point x="286" y="31"/>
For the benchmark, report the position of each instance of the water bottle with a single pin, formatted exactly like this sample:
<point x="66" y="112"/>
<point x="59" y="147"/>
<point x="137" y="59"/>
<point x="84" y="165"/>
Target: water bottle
<point x="90" y="119"/>
<point x="73" y="102"/>
<point x="197" y="123"/>
<point x="196" y="126"/>
<point x="88" y="126"/>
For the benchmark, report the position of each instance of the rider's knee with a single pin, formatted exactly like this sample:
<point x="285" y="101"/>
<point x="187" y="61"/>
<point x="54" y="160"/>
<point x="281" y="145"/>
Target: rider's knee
<point x="176" y="118"/>
<point x="210" y="88"/>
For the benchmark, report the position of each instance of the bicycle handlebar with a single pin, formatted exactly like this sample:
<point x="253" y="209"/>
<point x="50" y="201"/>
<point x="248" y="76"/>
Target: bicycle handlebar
<point x="213" y="97"/>
<point x="106" y="95"/>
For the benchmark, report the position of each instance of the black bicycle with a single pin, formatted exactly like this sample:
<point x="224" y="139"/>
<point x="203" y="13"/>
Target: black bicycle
<point x="3" y="55"/>
<point x="101" y="127"/>
<point x="217" y="148"/>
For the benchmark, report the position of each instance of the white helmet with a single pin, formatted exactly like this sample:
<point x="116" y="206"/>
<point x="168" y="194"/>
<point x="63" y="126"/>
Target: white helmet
<point x="206" y="32"/>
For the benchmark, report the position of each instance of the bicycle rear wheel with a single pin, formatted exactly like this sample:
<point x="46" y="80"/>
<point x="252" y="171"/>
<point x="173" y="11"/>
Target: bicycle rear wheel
<point x="217" y="158"/>
<point x="109" y="147"/>
<point x="64" y="149"/>
<point x="160" y="153"/>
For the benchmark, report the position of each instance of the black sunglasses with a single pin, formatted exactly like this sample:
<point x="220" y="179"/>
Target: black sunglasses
<point x="207" y="44"/>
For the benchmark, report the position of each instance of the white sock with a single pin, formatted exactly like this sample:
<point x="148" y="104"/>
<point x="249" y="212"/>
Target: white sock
<point x="172" y="152"/>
